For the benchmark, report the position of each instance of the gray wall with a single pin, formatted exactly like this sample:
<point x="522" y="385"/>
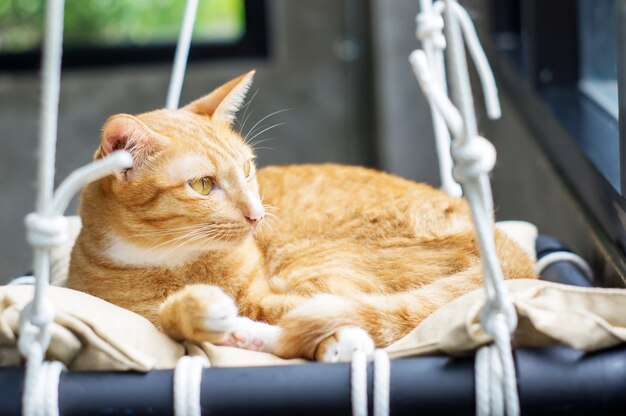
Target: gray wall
<point x="340" y="102"/>
<point x="405" y="138"/>
<point x="305" y="73"/>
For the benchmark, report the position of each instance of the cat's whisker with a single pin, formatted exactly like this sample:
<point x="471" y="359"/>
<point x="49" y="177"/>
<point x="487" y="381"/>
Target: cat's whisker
<point x="264" y="118"/>
<point x="271" y="217"/>
<point x="173" y="240"/>
<point x="247" y="106"/>
<point x="250" y="140"/>
<point x="270" y="208"/>
<point x="204" y="231"/>
<point x="210" y="241"/>
<point x="253" y="144"/>
<point x="163" y="232"/>
<point x="183" y="244"/>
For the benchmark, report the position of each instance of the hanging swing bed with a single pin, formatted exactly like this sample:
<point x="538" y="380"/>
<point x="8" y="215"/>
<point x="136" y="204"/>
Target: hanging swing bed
<point x="569" y="337"/>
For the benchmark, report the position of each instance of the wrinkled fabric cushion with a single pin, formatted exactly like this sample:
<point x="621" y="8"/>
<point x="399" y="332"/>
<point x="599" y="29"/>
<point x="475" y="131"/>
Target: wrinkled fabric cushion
<point x="89" y="333"/>
<point x="587" y="319"/>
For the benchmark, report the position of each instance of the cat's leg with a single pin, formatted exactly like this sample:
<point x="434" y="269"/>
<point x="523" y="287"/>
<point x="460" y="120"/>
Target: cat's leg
<point x="205" y="313"/>
<point x="330" y="328"/>
<point x="324" y="328"/>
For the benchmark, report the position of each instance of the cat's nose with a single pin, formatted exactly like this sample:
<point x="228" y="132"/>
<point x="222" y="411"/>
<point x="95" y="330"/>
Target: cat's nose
<point x="254" y="211"/>
<point x="254" y="220"/>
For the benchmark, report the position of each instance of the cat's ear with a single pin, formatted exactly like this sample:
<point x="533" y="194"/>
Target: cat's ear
<point x="127" y="132"/>
<point x="222" y="104"/>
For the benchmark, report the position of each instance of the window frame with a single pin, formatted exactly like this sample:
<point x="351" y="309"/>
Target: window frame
<point x="564" y="120"/>
<point x="253" y="44"/>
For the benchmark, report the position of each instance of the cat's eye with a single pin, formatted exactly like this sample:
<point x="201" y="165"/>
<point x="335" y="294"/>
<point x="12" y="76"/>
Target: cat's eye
<point x="247" y="166"/>
<point x="202" y="185"/>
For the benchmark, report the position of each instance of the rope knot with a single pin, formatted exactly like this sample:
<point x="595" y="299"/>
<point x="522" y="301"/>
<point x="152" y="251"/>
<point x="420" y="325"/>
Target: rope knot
<point x="34" y="328"/>
<point x="476" y="157"/>
<point x="430" y="26"/>
<point x="46" y="232"/>
<point x="497" y="318"/>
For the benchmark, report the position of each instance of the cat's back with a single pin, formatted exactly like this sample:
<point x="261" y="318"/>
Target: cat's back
<point x="340" y="200"/>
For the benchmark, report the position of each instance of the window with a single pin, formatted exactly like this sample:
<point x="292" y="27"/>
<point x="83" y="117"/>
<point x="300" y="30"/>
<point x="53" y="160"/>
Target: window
<point x="598" y="63"/>
<point x="112" y="32"/>
<point x="559" y="61"/>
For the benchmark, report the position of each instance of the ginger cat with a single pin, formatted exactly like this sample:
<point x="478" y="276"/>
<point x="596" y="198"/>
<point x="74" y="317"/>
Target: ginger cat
<point x="352" y="258"/>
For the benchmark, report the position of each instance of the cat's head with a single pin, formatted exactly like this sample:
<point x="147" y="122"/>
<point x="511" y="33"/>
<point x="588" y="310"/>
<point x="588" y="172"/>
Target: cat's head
<point x="193" y="181"/>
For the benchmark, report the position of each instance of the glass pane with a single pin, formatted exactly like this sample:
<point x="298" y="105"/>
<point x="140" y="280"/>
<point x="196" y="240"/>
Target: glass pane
<point x="598" y="65"/>
<point x="119" y="22"/>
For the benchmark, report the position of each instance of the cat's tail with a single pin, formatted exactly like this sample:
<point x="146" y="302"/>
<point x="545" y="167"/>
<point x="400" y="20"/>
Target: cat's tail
<point x="386" y="318"/>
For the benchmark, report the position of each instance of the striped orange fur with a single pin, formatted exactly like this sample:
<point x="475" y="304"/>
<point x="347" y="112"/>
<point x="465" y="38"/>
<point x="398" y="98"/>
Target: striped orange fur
<point x="338" y="246"/>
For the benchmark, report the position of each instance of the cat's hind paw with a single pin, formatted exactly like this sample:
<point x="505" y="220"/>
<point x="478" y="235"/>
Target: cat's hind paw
<point x="341" y="346"/>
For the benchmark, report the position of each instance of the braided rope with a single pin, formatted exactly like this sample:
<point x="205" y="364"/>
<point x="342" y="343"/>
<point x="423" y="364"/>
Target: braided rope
<point x="474" y="157"/>
<point x="47" y="228"/>
<point x="187" y="383"/>
<point x="182" y="54"/>
<point x="358" y="383"/>
<point x="41" y="389"/>
<point x="382" y="379"/>
<point x="429" y="30"/>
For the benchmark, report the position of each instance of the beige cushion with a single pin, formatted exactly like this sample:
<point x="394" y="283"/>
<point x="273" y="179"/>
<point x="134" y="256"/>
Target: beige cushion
<point x="588" y="319"/>
<point x="89" y="333"/>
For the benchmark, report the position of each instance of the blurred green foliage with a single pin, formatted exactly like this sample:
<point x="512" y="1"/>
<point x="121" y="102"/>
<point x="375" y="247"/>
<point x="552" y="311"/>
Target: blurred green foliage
<point x="118" y="22"/>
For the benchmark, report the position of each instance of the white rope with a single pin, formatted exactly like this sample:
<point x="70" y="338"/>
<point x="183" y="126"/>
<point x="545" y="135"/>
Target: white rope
<point x="429" y="25"/>
<point x="182" y="54"/>
<point x="51" y="84"/>
<point x="43" y="230"/>
<point x="47" y="228"/>
<point x="22" y="281"/>
<point x="187" y="383"/>
<point x="382" y="379"/>
<point x="557" y="256"/>
<point x="41" y="389"/>
<point x="50" y="378"/>
<point x="487" y="80"/>
<point x="474" y="159"/>
<point x="496" y="385"/>
<point x="437" y="98"/>
<point x="358" y="383"/>
<point x="91" y="172"/>
<point x="51" y="79"/>
<point x="46" y="232"/>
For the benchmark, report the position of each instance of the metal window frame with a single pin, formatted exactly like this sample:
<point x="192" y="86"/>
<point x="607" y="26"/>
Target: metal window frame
<point x="584" y="142"/>
<point x="621" y="85"/>
<point x="253" y="44"/>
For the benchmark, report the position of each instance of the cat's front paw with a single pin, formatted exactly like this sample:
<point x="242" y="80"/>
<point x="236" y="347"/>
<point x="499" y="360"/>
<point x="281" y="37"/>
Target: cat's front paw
<point x="219" y="315"/>
<point x="199" y="313"/>
<point x="341" y="346"/>
<point x="206" y="313"/>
